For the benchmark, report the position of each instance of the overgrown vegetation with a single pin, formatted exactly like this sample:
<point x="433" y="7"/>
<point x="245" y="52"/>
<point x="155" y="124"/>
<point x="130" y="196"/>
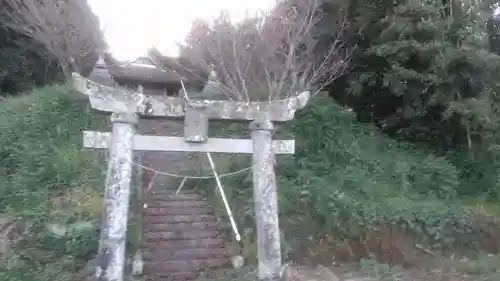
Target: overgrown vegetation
<point x="46" y="178"/>
<point x="414" y="149"/>
<point x="405" y="154"/>
<point x="350" y="182"/>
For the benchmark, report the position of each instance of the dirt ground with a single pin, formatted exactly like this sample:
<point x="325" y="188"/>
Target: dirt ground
<point x="486" y="268"/>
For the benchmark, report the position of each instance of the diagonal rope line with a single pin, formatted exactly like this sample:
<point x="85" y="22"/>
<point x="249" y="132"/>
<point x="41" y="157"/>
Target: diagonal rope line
<point x="224" y="199"/>
<point x="152" y="181"/>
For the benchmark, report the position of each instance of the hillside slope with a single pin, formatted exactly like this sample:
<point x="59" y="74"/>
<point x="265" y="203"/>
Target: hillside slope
<point x="46" y="178"/>
<point x="349" y="192"/>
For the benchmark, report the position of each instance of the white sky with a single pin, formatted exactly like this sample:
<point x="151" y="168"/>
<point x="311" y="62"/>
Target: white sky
<point x="132" y="26"/>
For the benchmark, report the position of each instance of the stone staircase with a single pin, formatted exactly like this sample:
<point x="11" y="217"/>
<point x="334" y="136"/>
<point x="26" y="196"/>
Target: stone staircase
<point x="181" y="234"/>
<point x="182" y="237"/>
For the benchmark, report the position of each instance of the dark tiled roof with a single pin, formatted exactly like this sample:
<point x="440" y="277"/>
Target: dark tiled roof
<point x="134" y="72"/>
<point x="147" y="74"/>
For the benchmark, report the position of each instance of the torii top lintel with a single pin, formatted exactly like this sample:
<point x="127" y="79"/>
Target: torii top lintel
<point x="110" y="99"/>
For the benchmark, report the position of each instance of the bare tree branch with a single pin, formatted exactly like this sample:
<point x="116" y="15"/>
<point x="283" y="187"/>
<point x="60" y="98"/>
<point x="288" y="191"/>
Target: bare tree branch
<point x="272" y="56"/>
<point x="64" y="27"/>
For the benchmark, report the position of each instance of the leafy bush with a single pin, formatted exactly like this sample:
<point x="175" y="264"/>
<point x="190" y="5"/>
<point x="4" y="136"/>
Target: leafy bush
<point x="347" y="178"/>
<point x="359" y="158"/>
<point x="41" y="155"/>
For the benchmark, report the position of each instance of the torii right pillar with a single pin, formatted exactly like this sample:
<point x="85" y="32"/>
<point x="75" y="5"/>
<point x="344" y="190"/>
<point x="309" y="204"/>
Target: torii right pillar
<point x="265" y="200"/>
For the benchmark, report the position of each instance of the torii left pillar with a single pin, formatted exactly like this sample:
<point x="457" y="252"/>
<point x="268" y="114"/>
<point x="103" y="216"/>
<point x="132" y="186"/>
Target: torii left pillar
<point x="111" y="255"/>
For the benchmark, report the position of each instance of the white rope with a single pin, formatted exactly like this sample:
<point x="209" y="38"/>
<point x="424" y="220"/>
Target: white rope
<point x="219" y="184"/>
<point x="152" y="181"/>
<point x="184" y="90"/>
<point x="181" y="185"/>
<point x="191" y="177"/>
<point x="185" y="178"/>
<point x="223" y="195"/>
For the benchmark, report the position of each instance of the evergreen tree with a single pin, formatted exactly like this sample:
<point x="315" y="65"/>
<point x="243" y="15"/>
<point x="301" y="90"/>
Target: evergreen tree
<point x="426" y="76"/>
<point x="427" y="72"/>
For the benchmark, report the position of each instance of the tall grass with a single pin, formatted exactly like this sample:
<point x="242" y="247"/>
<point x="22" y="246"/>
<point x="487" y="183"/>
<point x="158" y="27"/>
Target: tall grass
<point x="47" y="176"/>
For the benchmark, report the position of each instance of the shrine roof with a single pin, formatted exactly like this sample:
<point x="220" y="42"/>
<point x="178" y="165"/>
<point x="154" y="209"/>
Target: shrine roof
<point x="144" y="69"/>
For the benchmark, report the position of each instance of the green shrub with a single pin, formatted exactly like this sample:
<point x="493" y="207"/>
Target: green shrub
<point x="46" y="176"/>
<point x="330" y="141"/>
<point x="346" y="178"/>
<point x="41" y="155"/>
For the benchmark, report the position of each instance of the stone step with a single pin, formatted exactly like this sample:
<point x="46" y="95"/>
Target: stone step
<point x="169" y="186"/>
<point x="167" y="211"/>
<point x="217" y="242"/>
<point x="173" y="204"/>
<point x="184" y="266"/>
<point x="178" y="218"/>
<point x="177" y="276"/>
<point x="185" y="216"/>
<point x="168" y="196"/>
<point x="181" y="235"/>
<point x="181" y="226"/>
<point x="185" y="254"/>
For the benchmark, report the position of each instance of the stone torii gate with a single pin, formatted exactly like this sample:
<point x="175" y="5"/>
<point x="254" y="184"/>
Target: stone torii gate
<point x="126" y="106"/>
